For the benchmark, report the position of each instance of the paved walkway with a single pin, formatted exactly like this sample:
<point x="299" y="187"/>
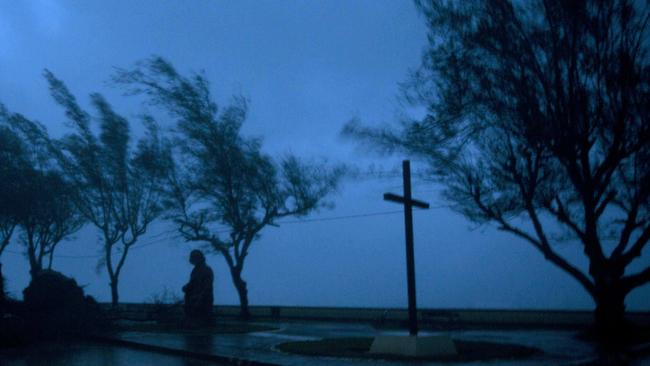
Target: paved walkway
<point x="560" y="347"/>
<point x="167" y="349"/>
<point x="91" y="354"/>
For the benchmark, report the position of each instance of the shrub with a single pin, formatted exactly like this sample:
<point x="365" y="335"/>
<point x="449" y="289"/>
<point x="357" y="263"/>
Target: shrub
<point x="55" y="304"/>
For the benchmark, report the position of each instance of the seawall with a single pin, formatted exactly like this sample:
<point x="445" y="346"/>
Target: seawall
<point x="387" y="316"/>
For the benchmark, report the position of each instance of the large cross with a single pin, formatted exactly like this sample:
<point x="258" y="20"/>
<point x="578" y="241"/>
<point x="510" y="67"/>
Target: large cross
<point x="408" y="203"/>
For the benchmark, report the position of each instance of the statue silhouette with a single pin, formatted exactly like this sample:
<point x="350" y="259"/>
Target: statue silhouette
<point x="198" y="291"/>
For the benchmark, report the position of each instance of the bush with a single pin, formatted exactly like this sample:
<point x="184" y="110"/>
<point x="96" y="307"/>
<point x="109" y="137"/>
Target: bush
<point x="167" y="306"/>
<point x="55" y="304"/>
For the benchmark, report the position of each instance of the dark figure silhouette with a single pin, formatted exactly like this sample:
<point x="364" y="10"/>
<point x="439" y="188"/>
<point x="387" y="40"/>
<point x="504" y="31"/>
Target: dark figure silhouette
<point x="198" y="292"/>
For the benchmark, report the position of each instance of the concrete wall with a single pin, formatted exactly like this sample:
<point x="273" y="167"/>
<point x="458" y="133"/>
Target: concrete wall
<point x="451" y="317"/>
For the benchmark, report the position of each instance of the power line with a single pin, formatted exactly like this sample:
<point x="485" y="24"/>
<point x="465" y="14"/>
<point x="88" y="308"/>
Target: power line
<point x="56" y="255"/>
<point x="286" y="222"/>
<point x="335" y="218"/>
<point x="387" y="174"/>
<point x="138" y="246"/>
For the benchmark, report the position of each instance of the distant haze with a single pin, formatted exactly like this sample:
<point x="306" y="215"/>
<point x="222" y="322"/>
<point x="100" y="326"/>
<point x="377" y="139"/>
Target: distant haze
<point x="307" y="68"/>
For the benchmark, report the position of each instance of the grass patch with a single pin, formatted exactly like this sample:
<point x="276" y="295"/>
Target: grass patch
<point x="358" y="347"/>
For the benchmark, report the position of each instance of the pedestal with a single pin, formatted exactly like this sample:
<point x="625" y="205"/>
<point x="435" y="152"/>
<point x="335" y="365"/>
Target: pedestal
<point x="414" y="346"/>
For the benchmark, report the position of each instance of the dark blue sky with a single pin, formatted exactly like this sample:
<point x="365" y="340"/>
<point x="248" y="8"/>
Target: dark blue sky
<point x="307" y="68"/>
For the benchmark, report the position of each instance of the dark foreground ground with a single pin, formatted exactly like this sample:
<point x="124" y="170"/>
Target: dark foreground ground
<point x="85" y="353"/>
<point x="145" y="343"/>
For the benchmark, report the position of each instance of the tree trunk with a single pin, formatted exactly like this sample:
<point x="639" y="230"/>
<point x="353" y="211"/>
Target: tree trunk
<point x="242" y="291"/>
<point x="34" y="269"/>
<point x="34" y="263"/>
<point x="609" y="315"/>
<point x="49" y="264"/>
<point x="114" y="294"/>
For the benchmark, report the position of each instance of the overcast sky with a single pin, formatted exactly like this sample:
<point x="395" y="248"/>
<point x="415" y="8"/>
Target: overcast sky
<point x="307" y="68"/>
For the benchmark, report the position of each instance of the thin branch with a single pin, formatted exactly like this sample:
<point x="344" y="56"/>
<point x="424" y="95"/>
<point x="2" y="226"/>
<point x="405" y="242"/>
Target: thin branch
<point x="628" y="228"/>
<point x="562" y="215"/>
<point x="637" y="247"/>
<point x="635" y="280"/>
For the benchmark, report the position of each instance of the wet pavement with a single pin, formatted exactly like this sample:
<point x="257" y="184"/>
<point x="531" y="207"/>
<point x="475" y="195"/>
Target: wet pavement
<point x="90" y="354"/>
<point x="560" y="347"/>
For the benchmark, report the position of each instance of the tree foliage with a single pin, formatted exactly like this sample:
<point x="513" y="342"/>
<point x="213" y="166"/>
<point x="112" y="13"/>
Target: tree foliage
<point x="540" y="110"/>
<point x="118" y="186"/>
<point x="39" y="202"/>
<point x="49" y="217"/>
<point x="223" y="190"/>
<point x="11" y="160"/>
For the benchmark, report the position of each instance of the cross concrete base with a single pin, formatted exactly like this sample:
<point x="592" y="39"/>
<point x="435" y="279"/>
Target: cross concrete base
<point x="414" y="346"/>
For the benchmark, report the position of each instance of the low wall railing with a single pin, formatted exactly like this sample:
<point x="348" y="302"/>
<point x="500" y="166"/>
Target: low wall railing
<point x="382" y="316"/>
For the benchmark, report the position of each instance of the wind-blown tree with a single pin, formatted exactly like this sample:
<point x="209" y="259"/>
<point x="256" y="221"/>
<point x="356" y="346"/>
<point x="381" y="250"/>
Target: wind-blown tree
<point x="118" y="187"/>
<point x="11" y="163"/>
<point x="11" y="159"/>
<point x="43" y="208"/>
<point x="48" y="217"/>
<point x="223" y="191"/>
<point x="539" y="110"/>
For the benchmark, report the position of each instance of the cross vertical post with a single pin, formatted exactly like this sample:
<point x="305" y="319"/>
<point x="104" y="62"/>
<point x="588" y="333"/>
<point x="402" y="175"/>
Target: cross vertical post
<point x="410" y="260"/>
<point x="408" y="203"/>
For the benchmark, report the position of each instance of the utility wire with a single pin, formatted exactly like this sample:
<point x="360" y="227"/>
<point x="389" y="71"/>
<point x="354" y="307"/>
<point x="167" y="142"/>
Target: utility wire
<point x="335" y="218"/>
<point x="286" y="222"/>
<point x="138" y="246"/>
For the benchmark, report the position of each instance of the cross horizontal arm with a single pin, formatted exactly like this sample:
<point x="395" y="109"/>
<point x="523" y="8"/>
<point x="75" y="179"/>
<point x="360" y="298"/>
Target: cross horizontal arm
<point x="399" y="199"/>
